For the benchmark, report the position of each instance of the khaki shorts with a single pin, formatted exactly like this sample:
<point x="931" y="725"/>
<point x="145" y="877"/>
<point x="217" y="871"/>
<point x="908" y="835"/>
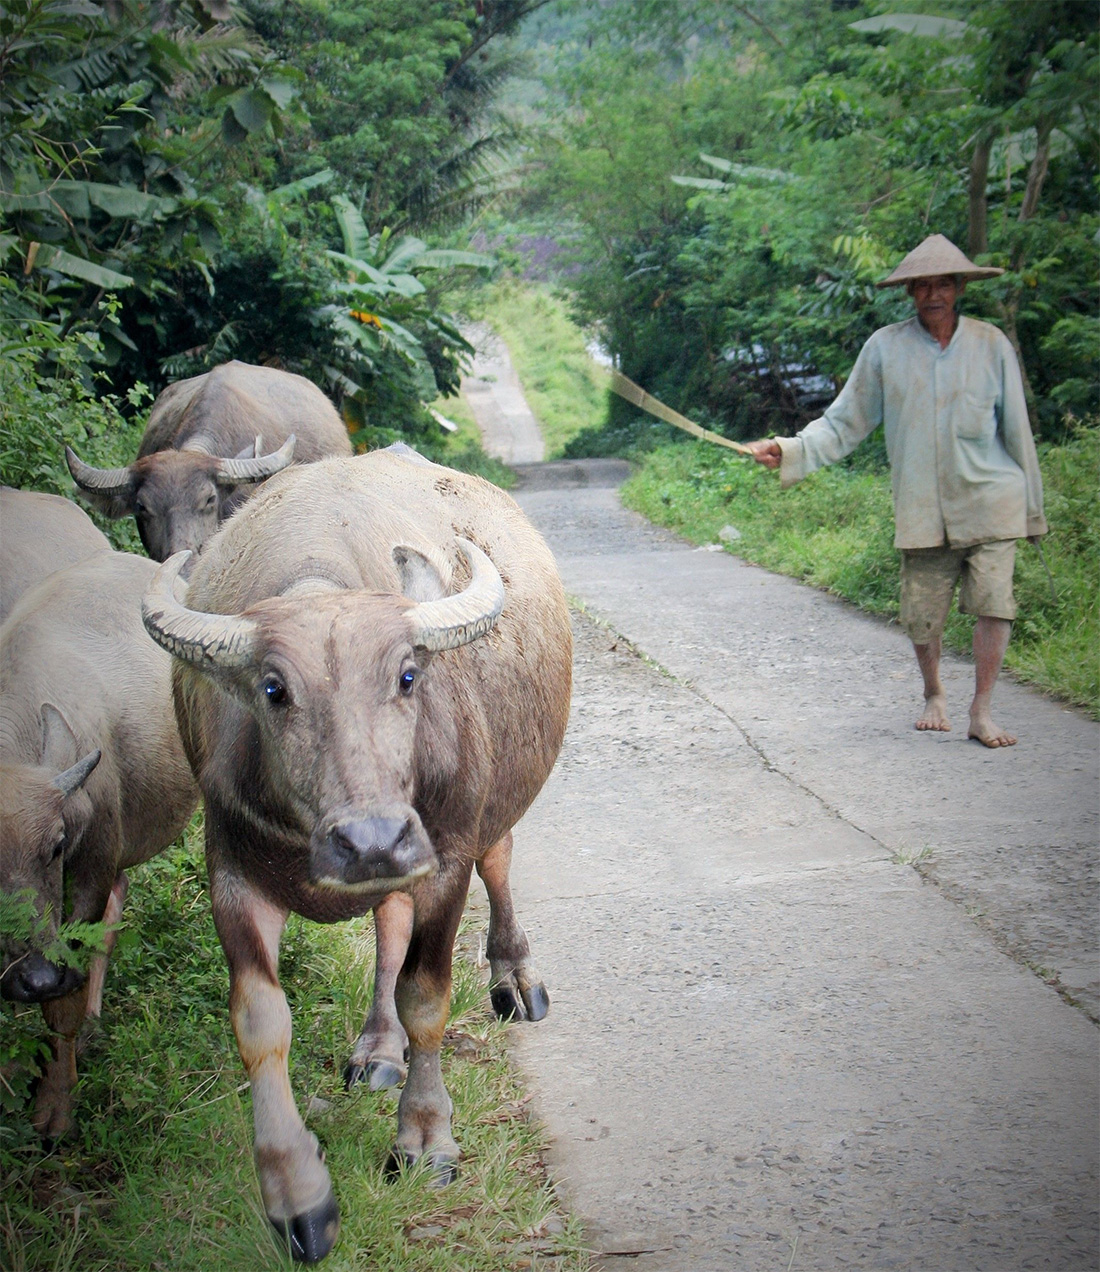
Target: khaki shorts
<point x="929" y="575"/>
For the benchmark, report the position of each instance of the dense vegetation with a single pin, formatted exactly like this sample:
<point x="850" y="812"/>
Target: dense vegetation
<point x="729" y="180"/>
<point x="250" y="182"/>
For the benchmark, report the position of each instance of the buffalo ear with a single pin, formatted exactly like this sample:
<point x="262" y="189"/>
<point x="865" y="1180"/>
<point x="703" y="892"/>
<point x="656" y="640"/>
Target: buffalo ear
<point x="420" y="577"/>
<point x="253" y="451"/>
<point x="59" y="744"/>
<point x="60" y="750"/>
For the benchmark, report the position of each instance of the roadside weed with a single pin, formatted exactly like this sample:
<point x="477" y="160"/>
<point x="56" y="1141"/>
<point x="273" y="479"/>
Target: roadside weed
<point x="912" y="856"/>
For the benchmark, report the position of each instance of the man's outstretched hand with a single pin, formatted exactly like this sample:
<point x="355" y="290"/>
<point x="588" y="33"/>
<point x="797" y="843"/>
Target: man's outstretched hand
<point x="767" y="452"/>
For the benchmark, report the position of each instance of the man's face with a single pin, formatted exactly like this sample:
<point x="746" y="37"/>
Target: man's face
<point x="935" y="297"/>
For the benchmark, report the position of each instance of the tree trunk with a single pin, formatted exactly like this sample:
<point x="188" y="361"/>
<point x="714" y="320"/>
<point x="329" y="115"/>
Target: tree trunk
<point x="1036" y="175"/>
<point x="977" y="237"/>
<point x="1008" y="310"/>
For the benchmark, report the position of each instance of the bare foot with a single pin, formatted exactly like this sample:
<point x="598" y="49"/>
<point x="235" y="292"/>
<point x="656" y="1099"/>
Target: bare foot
<point x="935" y="714"/>
<point x="983" y="730"/>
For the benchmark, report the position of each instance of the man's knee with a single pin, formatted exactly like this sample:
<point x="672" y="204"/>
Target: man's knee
<point x="928" y="578"/>
<point x="986" y="589"/>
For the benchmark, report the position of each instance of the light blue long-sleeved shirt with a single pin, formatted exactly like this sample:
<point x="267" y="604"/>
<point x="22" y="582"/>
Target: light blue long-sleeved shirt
<point x="962" y="457"/>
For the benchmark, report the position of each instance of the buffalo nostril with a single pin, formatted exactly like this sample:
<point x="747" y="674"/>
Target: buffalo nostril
<point x="35" y="980"/>
<point x="371" y="850"/>
<point x="371" y="837"/>
<point x="42" y="980"/>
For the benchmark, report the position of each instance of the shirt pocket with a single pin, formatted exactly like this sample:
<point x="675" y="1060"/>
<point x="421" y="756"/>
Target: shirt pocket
<point x="977" y="419"/>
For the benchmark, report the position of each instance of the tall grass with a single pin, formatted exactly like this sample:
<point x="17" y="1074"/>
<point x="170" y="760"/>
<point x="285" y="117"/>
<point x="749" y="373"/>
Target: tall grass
<point x="835" y="531"/>
<point x="158" y="1173"/>
<point x="565" y="388"/>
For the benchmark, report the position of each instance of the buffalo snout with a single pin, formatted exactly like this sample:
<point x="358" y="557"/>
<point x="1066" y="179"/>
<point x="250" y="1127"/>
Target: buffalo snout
<point x="34" y="979"/>
<point x="371" y="850"/>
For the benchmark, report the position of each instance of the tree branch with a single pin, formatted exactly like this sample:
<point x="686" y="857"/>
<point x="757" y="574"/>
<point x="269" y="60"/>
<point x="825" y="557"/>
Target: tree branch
<point x="746" y="12"/>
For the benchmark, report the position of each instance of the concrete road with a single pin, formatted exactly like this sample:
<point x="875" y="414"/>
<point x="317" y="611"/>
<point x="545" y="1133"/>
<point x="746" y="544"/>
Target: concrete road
<point x="824" y="989"/>
<point x="493" y="390"/>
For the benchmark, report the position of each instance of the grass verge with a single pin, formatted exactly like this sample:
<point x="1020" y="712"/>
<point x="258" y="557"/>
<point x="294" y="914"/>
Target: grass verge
<point x="565" y="388"/>
<point x="835" y="531"/>
<point x="158" y="1173"/>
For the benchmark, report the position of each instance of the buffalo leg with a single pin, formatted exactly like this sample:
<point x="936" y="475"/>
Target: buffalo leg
<point x="423" y="1002"/>
<point x="294" y="1183"/>
<point x="64" y="1017"/>
<point x="53" y="1100"/>
<point x="515" y="988"/>
<point x="97" y="969"/>
<point x="379" y="1053"/>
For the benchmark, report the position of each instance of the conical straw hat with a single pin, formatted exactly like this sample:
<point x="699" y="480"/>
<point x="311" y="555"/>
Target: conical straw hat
<point x="937" y="255"/>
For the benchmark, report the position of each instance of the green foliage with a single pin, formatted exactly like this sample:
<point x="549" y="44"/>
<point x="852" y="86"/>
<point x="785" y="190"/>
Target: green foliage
<point x="40" y="413"/>
<point x="94" y="154"/>
<point x="140" y="151"/>
<point x="72" y="943"/>
<point x="159" y="1170"/>
<point x="383" y="309"/>
<point x="724" y="261"/>
<point x="401" y="100"/>
<point x="835" y="531"/>
<point x="22" y="1047"/>
<point x="366" y="323"/>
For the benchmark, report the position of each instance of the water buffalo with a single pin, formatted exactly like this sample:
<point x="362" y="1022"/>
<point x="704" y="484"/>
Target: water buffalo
<point x="39" y="534"/>
<point x="93" y="780"/>
<point x="358" y="727"/>
<point x="199" y="458"/>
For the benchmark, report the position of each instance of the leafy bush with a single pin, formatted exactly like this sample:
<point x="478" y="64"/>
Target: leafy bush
<point x="47" y="401"/>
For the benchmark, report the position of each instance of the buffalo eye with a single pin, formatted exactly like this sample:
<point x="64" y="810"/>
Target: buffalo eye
<point x="209" y="502"/>
<point x="406" y="681"/>
<point x="274" y="690"/>
<point x="59" y="847"/>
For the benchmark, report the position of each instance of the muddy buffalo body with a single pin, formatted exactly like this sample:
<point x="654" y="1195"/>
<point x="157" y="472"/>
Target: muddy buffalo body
<point x="372" y="685"/>
<point x="200" y="456"/>
<point x="93" y="780"/>
<point x="39" y="534"/>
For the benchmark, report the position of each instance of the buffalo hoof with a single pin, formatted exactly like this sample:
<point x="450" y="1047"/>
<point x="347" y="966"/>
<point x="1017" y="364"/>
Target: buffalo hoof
<point x="444" y="1167"/>
<point x="532" y="1005"/>
<point x="378" y="1074"/>
<point x="312" y="1235"/>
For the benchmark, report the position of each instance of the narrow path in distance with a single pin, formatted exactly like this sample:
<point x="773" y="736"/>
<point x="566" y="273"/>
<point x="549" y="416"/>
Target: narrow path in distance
<point x="492" y="388"/>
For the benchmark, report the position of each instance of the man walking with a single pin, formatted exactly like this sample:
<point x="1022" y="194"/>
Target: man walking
<point x="965" y="475"/>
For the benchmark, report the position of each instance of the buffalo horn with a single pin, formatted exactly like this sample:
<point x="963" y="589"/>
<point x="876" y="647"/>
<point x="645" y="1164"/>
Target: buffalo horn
<point x="74" y="778"/>
<point x="457" y="620"/>
<point x="111" y="482"/>
<point x="207" y="641"/>
<point x="231" y="472"/>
